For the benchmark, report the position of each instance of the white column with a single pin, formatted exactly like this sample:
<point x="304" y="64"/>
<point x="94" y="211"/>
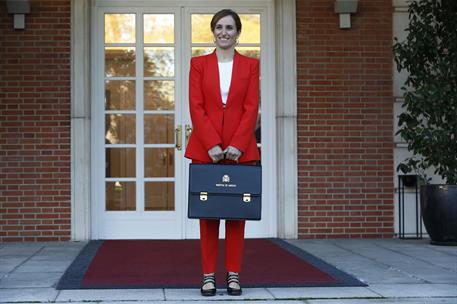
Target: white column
<point x="286" y="119"/>
<point x="80" y="120"/>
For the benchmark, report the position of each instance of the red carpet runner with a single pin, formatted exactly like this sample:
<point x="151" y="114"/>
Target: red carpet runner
<point x="176" y="264"/>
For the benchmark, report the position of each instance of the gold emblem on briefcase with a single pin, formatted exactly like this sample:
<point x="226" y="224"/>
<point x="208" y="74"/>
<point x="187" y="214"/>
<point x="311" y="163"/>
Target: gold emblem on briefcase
<point x="225" y="182"/>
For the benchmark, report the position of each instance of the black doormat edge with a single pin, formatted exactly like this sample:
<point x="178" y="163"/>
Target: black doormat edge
<point x="74" y="274"/>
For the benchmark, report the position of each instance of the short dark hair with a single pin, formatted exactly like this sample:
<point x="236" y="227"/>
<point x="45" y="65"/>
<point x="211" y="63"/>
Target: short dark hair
<point x="223" y="13"/>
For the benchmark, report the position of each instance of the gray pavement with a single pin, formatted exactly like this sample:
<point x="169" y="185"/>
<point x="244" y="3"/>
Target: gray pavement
<point x="396" y="271"/>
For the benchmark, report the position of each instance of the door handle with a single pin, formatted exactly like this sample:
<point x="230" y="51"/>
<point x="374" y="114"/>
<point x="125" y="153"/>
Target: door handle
<point x="188" y="132"/>
<point x="178" y="137"/>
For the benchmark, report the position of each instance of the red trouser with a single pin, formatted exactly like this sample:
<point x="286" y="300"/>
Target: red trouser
<point x="209" y="238"/>
<point x="234" y="241"/>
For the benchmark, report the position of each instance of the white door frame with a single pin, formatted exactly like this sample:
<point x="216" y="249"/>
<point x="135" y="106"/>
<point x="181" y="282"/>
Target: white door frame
<point x="111" y="224"/>
<point x="285" y="120"/>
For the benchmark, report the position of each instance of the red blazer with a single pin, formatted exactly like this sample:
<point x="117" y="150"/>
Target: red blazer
<point x="213" y="124"/>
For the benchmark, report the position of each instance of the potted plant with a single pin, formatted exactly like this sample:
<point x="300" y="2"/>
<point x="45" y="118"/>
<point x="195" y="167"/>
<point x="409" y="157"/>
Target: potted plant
<point x="429" y="122"/>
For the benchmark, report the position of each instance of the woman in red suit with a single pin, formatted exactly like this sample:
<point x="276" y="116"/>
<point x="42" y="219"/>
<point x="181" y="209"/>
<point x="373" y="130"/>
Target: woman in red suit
<point x="224" y="102"/>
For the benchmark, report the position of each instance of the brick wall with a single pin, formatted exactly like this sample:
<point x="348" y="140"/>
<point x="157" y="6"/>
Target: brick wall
<point x="35" y="124"/>
<point x="345" y="121"/>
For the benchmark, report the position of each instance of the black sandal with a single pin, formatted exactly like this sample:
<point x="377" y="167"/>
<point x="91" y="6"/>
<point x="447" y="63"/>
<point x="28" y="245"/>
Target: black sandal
<point x="210" y="278"/>
<point x="233" y="277"/>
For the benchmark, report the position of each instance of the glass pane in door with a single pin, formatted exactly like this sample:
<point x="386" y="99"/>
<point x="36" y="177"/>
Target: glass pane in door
<point x="120" y="95"/>
<point x="120" y="162"/>
<point x="120" y="196"/>
<point x="250" y="51"/>
<point x="159" y="128"/>
<point x="159" y="95"/>
<point x="119" y="28"/>
<point x="159" y="61"/>
<point x="159" y="196"/>
<point x="251" y="28"/>
<point x="159" y="28"/>
<point x="201" y="29"/>
<point x="120" y="129"/>
<point x="159" y="112"/>
<point x="119" y="61"/>
<point x="159" y="162"/>
<point x="202" y="50"/>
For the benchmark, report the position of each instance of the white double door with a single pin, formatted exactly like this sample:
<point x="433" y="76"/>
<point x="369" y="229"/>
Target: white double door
<point x="141" y="123"/>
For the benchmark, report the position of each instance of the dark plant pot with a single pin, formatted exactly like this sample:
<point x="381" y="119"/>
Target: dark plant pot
<point x="409" y="180"/>
<point x="439" y="212"/>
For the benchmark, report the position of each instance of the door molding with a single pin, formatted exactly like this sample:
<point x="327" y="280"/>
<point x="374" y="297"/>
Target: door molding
<point x="286" y="119"/>
<point x="80" y="120"/>
<point x="286" y="125"/>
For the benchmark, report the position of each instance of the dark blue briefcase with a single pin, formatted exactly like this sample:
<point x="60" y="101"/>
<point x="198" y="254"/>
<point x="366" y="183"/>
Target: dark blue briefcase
<point x="219" y="191"/>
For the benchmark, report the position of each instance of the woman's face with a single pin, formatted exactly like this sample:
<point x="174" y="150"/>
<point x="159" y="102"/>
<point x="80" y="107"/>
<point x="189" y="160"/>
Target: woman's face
<point x="225" y="33"/>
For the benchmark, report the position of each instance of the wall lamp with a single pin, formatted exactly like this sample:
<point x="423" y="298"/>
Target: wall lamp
<point x="19" y="8"/>
<point x="345" y="8"/>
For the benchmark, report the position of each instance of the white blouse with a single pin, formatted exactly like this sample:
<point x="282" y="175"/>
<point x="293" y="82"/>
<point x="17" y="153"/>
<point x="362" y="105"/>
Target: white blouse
<point x="225" y="76"/>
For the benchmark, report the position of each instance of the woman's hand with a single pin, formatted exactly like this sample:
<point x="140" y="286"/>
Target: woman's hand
<point x="216" y="153"/>
<point x="232" y="153"/>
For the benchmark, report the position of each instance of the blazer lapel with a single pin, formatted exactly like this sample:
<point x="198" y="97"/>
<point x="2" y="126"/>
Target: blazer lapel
<point x="214" y="74"/>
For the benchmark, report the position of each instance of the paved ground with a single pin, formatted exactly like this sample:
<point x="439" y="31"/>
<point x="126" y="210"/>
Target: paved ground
<point x="397" y="271"/>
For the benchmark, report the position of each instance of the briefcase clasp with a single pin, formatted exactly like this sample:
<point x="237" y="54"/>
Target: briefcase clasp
<point x="203" y="196"/>
<point x="246" y="197"/>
